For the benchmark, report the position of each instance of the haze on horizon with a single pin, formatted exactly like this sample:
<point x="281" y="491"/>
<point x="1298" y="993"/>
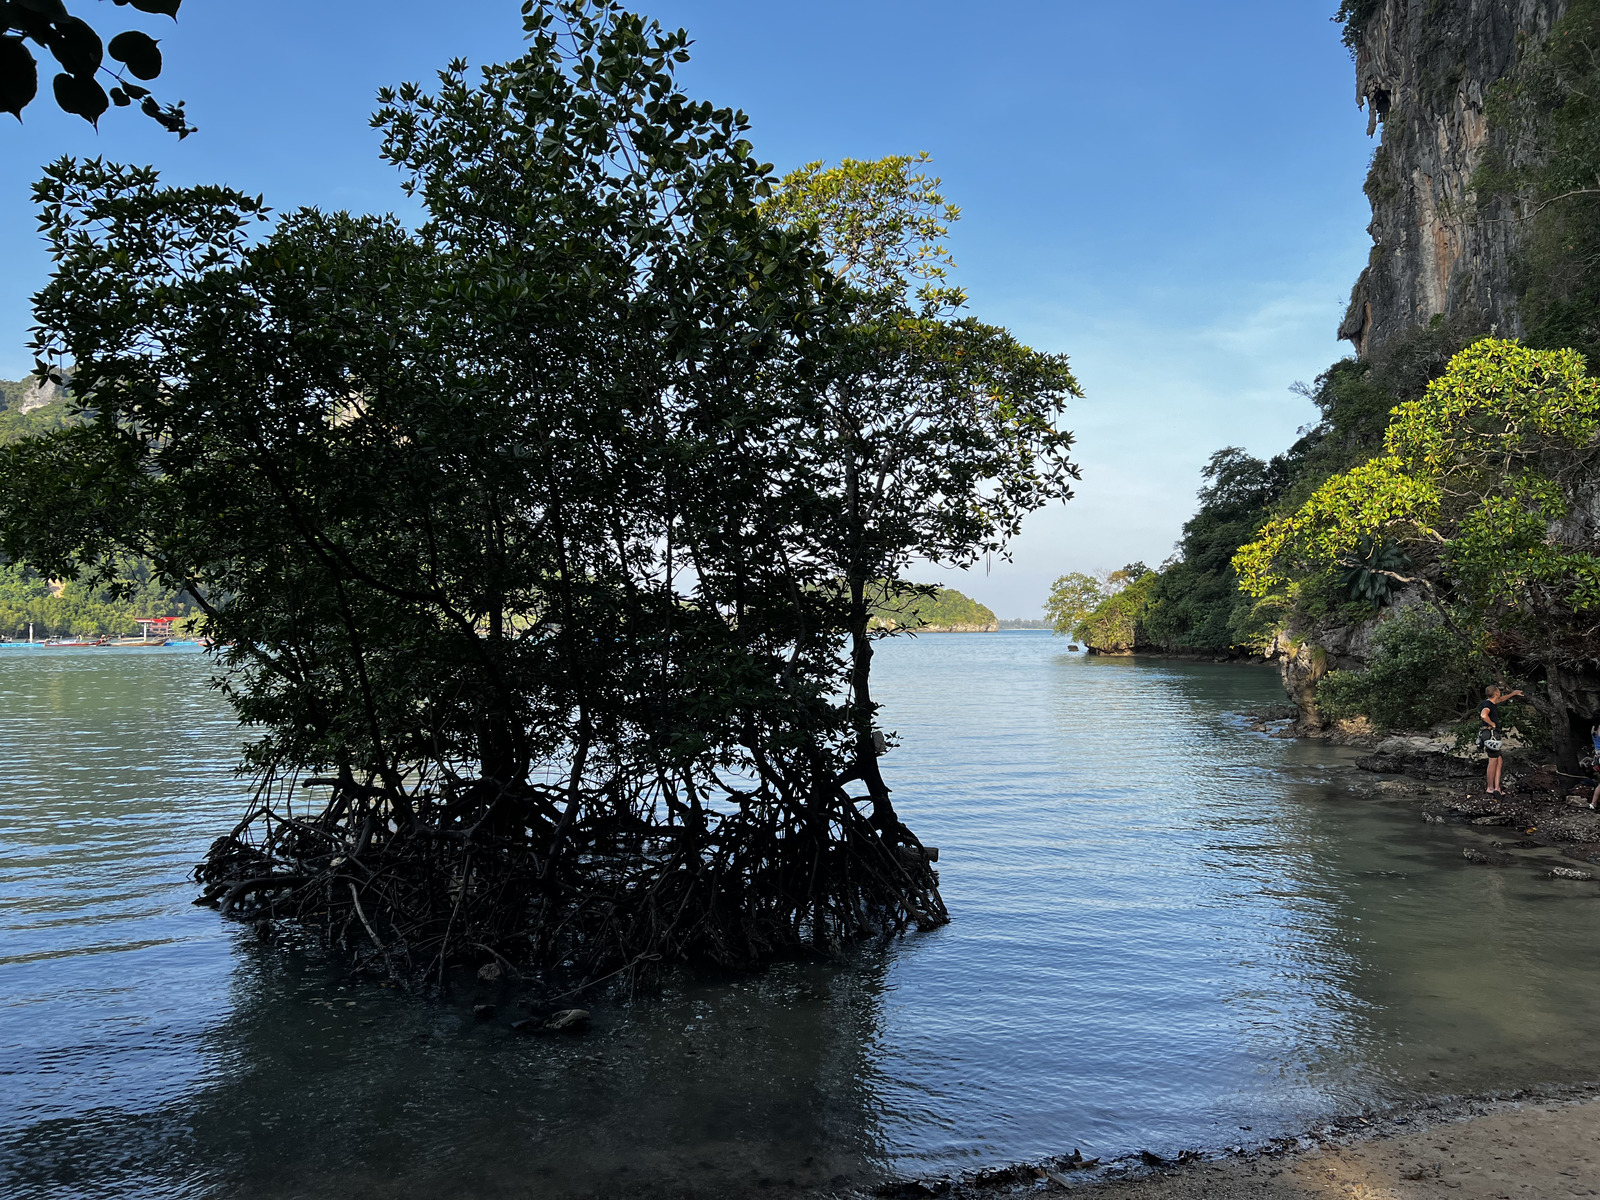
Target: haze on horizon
<point x="1169" y="194"/>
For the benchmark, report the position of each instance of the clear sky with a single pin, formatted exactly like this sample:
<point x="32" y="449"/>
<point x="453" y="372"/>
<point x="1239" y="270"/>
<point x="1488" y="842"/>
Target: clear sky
<point x="1169" y="192"/>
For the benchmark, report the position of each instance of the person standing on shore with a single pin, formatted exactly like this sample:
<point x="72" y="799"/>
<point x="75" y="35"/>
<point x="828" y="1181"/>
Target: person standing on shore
<point x="1593" y="763"/>
<point x="1489" y="736"/>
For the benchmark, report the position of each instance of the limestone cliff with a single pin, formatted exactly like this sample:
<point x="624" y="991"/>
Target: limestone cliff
<point x="1423" y="72"/>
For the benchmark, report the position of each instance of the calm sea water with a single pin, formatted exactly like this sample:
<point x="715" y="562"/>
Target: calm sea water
<point x="1169" y="931"/>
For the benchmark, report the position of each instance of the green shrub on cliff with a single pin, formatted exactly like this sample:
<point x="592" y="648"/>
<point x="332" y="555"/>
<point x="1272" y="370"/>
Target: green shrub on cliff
<point x="1477" y="484"/>
<point x="1422" y="671"/>
<point x="1545" y="161"/>
<point x="1353" y="15"/>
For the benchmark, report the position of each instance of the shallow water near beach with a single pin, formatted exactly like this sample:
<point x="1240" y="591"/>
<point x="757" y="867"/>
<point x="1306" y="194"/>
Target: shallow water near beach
<point x="1168" y="931"/>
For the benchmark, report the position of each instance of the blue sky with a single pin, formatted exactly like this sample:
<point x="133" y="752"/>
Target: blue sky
<point x="1169" y="192"/>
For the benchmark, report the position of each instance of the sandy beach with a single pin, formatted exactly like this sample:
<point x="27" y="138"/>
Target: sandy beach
<point x="1536" y="1150"/>
<point x="1546" y="1148"/>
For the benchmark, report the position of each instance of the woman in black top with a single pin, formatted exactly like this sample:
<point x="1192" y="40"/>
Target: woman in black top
<point x="1489" y="714"/>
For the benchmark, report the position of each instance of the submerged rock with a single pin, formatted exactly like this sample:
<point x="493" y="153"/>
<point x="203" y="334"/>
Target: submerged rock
<point x="1570" y="873"/>
<point x="569" y="1020"/>
<point x="1419" y="765"/>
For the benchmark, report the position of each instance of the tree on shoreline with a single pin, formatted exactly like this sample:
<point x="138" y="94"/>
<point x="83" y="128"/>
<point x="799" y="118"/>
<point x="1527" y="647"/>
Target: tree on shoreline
<point x="929" y="434"/>
<point x="527" y="527"/>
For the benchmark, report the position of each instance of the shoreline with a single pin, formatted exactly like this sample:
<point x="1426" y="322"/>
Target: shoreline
<point x="1542" y="1141"/>
<point x="1536" y="1142"/>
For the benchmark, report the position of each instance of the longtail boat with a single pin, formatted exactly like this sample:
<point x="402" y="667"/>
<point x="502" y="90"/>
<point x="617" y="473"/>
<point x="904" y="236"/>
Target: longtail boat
<point x="155" y="631"/>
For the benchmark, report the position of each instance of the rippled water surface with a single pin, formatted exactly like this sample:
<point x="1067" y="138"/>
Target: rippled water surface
<point x="1168" y="931"/>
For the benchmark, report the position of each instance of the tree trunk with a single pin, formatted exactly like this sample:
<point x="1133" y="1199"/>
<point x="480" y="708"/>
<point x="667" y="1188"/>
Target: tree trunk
<point x="863" y="710"/>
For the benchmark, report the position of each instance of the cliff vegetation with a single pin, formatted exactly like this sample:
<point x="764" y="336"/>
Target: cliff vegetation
<point x="1391" y="584"/>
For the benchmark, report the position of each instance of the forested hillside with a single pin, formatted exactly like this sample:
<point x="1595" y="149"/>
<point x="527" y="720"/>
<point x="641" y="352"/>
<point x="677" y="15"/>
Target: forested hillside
<point x="62" y="608"/>
<point x="945" y="609"/>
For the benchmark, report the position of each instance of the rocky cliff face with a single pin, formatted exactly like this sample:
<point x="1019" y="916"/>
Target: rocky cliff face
<point x="1423" y="72"/>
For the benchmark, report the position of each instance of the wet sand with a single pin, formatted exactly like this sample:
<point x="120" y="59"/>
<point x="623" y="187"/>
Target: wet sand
<point x="1534" y="1150"/>
<point x="1544" y="1148"/>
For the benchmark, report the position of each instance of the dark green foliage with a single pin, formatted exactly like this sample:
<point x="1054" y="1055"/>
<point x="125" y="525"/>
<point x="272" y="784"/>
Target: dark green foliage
<point x="1422" y="671"/>
<point x="1545" y="158"/>
<point x="527" y="527"/>
<point x="75" y="44"/>
<point x="1353" y="15"/>
<point x="68" y="606"/>
<point x="1196" y="603"/>
<point x="1372" y="582"/>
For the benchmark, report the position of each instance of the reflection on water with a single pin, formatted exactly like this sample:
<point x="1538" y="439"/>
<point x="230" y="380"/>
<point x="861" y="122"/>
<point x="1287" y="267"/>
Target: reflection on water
<point x="1166" y="928"/>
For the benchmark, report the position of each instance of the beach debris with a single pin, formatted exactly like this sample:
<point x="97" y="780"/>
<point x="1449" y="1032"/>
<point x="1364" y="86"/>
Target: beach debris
<point x="1072" y="1162"/>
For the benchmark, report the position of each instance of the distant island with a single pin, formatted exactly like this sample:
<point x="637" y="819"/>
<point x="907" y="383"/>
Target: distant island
<point x="946" y="611"/>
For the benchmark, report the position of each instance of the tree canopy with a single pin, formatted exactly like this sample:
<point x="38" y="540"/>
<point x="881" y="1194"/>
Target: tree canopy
<point x="533" y="530"/>
<point x="929" y="435"/>
<point x="1482" y="483"/>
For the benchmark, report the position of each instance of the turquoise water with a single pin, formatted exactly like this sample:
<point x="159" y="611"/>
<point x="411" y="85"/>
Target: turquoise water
<point x="1169" y="931"/>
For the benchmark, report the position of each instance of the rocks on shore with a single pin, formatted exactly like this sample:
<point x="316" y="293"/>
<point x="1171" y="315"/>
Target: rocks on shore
<point x="1429" y="765"/>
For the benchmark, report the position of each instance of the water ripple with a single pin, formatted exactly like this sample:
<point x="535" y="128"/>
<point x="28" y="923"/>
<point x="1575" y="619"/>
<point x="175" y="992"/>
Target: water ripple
<point x="1166" y="927"/>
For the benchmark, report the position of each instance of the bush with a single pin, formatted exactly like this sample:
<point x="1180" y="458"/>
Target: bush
<point x="1421" y="672"/>
<point x="1117" y="622"/>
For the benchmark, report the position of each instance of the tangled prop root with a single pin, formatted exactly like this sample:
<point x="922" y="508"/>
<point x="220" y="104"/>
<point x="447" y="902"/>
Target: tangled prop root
<point x="409" y="884"/>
